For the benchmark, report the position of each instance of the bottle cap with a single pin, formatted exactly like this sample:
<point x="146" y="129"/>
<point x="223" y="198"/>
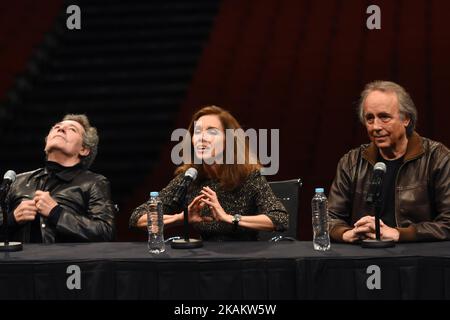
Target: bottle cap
<point x="154" y="194"/>
<point x="320" y="190"/>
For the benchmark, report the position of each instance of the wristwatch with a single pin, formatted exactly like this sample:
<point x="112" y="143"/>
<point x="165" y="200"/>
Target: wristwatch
<point x="236" y="219"/>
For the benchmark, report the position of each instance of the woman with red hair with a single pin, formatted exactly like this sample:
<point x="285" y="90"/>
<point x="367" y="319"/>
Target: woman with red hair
<point x="229" y="200"/>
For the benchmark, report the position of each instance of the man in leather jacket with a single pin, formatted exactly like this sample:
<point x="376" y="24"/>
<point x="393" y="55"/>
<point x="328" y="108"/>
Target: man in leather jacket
<point x="415" y="196"/>
<point x="64" y="201"/>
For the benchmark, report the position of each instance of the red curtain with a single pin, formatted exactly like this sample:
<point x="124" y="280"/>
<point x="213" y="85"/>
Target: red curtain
<point x="299" y="66"/>
<point x="22" y="27"/>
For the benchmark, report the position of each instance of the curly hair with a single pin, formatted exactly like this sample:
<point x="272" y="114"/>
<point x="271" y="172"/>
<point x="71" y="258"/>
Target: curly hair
<point x="90" y="138"/>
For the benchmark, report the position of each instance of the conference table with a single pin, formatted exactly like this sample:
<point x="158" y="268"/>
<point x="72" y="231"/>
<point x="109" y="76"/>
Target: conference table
<point x="285" y="270"/>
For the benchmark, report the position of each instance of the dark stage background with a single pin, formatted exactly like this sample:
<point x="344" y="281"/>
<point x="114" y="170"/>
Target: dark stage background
<point x="139" y="69"/>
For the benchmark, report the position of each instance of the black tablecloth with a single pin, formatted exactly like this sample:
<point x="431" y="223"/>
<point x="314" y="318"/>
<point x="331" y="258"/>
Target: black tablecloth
<point x="226" y="270"/>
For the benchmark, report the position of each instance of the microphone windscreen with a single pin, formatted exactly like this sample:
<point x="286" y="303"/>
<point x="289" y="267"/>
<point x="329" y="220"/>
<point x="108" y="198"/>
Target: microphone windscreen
<point x="10" y="175"/>
<point x="192" y="173"/>
<point x="380" y="166"/>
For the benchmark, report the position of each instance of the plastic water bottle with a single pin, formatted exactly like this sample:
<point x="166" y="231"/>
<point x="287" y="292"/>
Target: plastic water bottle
<point x="155" y="224"/>
<point x="321" y="236"/>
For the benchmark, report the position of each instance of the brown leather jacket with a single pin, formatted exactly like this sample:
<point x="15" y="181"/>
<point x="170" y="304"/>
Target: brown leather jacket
<point x="422" y="191"/>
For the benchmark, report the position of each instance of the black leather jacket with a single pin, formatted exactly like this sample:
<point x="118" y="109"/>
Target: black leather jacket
<point x="86" y="214"/>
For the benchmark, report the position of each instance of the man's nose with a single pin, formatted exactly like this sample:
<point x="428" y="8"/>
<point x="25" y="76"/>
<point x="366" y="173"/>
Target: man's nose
<point x="377" y="124"/>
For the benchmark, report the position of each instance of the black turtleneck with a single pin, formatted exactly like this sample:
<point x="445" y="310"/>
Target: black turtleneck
<point x="56" y="168"/>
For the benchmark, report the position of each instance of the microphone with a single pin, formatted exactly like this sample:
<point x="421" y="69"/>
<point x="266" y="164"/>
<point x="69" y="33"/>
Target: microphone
<point x="373" y="199"/>
<point x="179" y="199"/>
<point x="8" y="179"/>
<point x="189" y="176"/>
<point x="373" y="195"/>
<point x="6" y="246"/>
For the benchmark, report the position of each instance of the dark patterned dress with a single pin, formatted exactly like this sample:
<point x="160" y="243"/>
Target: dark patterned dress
<point x="253" y="197"/>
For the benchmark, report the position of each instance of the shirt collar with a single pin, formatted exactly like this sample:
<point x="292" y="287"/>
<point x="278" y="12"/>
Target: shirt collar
<point x="66" y="174"/>
<point x="413" y="149"/>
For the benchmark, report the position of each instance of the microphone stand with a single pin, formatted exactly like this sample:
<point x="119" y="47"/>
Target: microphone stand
<point x="7" y="246"/>
<point x="377" y="243"/>
<point x="186" y="243"/>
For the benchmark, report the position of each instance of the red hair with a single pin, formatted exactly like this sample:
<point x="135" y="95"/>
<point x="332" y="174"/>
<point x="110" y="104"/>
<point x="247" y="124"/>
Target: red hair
<point x="232" y="175"/>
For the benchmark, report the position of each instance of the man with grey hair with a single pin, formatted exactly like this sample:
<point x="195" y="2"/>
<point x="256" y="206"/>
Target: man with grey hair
<point x="415" y="192"/>
<point x="64" y="201"/>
